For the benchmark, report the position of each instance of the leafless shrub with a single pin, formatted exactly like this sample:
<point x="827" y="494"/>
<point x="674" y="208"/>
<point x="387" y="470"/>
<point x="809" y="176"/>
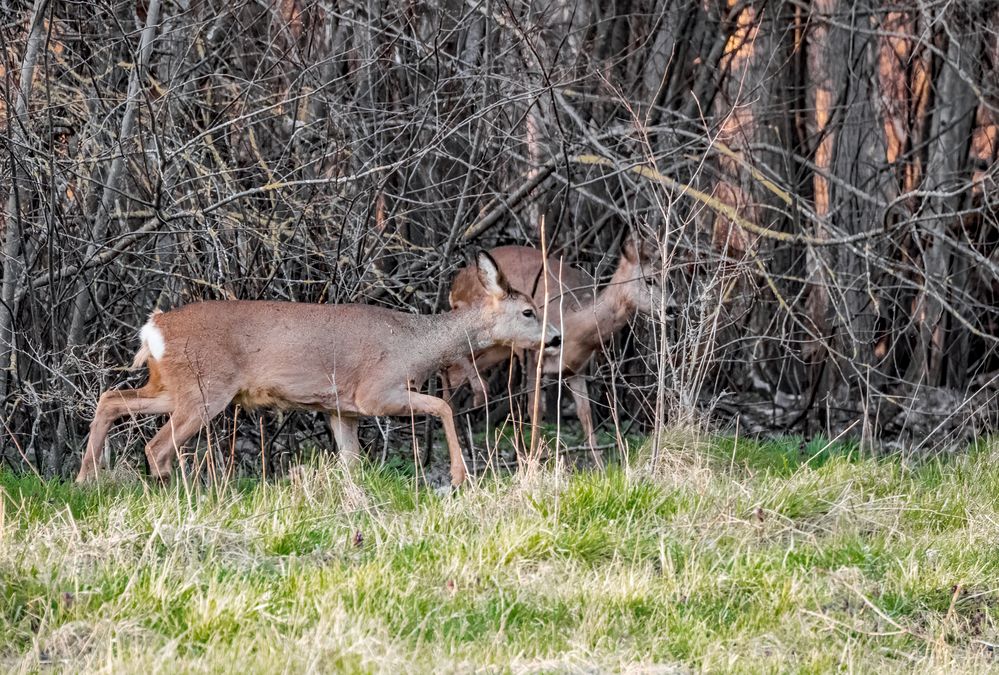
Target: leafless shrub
<point x="822" y="178"/>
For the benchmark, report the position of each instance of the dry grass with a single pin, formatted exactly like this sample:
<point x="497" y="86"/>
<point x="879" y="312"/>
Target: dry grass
<point x="726" y="556"/>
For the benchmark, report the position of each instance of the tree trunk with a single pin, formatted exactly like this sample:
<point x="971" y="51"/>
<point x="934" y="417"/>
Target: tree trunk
<point x="17" y="202"/>
<point x="858" y="165"/>
<point x="947" y="179"/>
<point x="110" y="192"/>
<point x="109" y="195"/>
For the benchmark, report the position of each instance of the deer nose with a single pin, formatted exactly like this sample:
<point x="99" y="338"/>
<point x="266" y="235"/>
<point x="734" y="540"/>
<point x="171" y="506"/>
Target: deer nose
<point x="555" y="341"/>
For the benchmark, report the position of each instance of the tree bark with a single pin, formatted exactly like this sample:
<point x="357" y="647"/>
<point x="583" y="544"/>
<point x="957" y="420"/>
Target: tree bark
<point x="858" y="161"/>
<point x="948" y="180"/>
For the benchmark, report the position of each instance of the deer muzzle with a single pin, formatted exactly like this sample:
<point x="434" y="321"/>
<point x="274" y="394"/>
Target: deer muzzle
<point x="553" y="343"/>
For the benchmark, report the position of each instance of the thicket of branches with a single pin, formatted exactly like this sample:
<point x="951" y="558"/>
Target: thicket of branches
<point x="821" y="175"/>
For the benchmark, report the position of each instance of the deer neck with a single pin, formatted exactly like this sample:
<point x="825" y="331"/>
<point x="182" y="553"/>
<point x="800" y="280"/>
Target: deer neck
<point x="595" y="323"/>
<point x="455" y="334"/>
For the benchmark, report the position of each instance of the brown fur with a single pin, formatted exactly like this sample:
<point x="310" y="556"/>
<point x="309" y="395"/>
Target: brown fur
<point x="347" y="360"/>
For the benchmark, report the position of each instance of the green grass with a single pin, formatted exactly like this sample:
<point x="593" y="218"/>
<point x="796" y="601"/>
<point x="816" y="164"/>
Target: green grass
<point x="728" y="557"/>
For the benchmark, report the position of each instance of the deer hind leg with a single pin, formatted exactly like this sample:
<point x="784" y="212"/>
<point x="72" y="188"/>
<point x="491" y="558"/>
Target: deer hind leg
<point x="581" y="395"/>
<point x="148" y="400"/>
<point x="345" y="433"/>
<point x="186" y="420"/>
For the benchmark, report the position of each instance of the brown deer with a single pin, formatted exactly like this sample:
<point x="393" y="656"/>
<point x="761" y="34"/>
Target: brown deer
<point x="349" y="361"/>
<point x="586" y="320"/>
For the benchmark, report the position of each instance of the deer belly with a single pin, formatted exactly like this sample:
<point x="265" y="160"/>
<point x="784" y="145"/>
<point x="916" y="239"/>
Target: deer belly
<point x="301" y="399"/>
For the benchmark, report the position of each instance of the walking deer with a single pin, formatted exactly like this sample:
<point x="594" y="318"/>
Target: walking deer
<point x="586" y="320"/>
<point x="349" y="361"/>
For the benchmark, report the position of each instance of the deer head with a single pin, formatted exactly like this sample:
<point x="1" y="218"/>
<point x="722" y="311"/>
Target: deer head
<point x="510" y="316"/>
<point x="639" y="278"/>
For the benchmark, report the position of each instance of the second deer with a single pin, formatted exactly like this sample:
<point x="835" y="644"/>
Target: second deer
<point x="586" y="320"/>
<point x="349" y="361"/>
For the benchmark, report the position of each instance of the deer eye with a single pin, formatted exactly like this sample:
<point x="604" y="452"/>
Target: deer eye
<point x="529" y="313"/>
<point x="650" y="281"/>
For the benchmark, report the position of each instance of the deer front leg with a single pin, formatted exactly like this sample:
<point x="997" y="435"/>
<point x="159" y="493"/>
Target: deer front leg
<point x="470" y="373"/>
<point x="581" y="395"/>
<point x="457" y="374"/>
<point x="345" y="433"/>
<point x="409" y="402"/>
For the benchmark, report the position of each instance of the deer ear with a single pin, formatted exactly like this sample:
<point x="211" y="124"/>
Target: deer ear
<point x="490" y="276"/>
<point x="629" y="249"/>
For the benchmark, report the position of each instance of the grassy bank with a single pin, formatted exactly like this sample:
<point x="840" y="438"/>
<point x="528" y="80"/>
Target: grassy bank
<point x="732" y="557"/>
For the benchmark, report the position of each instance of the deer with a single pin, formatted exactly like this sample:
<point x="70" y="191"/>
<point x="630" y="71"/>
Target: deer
<point x="346" y="360"/>
<point x="586" y="320"/>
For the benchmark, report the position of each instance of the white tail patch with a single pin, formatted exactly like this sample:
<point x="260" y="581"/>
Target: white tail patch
<point x="153" y="338"/>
